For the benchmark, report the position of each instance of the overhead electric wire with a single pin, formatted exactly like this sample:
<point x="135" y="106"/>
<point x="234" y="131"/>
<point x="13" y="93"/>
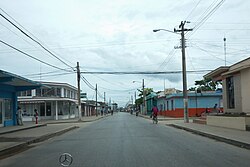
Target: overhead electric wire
<point x="193" y="9"/>
<point x="209" y="53"/>
<point x="140" y="72"/>
<point x="34" y="40"/>
<point x="87" y="83"/>
<point x="127" y="90"/>
<point x="17" y="35"/>
<point x="52" y="75"/>
<point x="32" y="56"/>
<point x="44" y="73"/>
<point x="120" y="84"/>
<point x="205" y="16"/>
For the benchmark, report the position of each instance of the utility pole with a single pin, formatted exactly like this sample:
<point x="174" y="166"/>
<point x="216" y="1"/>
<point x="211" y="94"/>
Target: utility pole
<point x="135" y="100"/>
<point x="184" y="72"/>
<point x="79" y="96"/>
<point x="225" y="53"/>
<point x="104" y="98"/>
<point x="143" y="91"/>
<point x="96" y="111"/>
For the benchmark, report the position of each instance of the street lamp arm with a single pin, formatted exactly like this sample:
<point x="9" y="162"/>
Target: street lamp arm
<point x="156" y="30"/>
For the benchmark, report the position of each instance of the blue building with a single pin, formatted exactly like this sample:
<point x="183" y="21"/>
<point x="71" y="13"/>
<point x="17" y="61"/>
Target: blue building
<point x="172" y="104"/>
<point x="10" y="85"/>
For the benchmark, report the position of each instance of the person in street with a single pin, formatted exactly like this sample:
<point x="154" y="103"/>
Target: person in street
<point x="216" y="108"/>
<point x="102" y="111"/>
<point x="36" y="116"/>
<point x="155" y="113"/>
<point x="19" y="116"/>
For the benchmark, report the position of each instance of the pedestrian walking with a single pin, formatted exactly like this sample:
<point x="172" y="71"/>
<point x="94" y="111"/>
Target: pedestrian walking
<point x="216" y="108"/>
<point x="36" y="116"/>
<point x="19" y="115"/>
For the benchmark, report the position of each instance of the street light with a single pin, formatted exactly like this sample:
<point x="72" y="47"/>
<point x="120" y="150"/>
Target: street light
<point x="144" y="109"/>
<point x="184" y="73"/>
<point x="156" y="30"/>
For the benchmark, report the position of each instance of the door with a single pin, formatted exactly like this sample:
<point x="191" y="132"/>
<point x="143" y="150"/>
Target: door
<point x="1" y="113"/>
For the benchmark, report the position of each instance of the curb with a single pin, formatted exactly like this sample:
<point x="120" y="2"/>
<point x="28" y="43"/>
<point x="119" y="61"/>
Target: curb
<point x="30" y="127"/>
<point x="215" y="137"/>
<point x="22" y="146"/>
<point x="76" y="121"/>
<point x="160" y="119"/>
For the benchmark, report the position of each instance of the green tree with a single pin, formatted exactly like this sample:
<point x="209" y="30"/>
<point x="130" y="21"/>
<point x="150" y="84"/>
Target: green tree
<point x="140" y="100"/>
<point x="205" y="84"/>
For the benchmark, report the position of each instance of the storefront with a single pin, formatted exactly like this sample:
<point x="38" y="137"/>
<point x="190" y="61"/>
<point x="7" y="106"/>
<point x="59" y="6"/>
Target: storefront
<point x="48" y="108"/>
<point x="10" y="84"/>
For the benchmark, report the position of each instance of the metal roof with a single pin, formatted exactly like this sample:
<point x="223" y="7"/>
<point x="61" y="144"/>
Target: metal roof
<point x="20" y="83"/>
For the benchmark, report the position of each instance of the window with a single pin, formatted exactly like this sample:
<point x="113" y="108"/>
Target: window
<point x="230" y="92"/>
<point x="161" y="107"/>
<point x="42" y="109"/>
<point x="38" y="92"/>
<point x="24" y="93"/>
<point x="8" y="109"/>
<point x="167" y="105"/>
<point x="65" y="92"/>
<point x="48" y="109"/>
<point x="172" y="104"/>
<point x="68" y="93"/>
<point x="28" y="93"/>
<point x="58" y="92"/>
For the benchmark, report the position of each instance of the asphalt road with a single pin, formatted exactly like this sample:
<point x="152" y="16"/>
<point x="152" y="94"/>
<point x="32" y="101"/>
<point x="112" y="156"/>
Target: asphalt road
<point x="123" y="140"/>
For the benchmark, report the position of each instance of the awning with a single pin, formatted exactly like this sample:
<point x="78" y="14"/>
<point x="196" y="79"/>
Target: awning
<point x="18" y="82"/>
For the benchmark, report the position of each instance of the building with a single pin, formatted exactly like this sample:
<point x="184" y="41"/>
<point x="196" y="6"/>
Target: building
<point x="197" y="103"/>
<point x="235" y="80"/>
<point x="10" y="85"/>
<point x="170" y="102"/>
<point x="151" y="101"/>
<point x="236" y="93"/>
<point x="54" y="101"/>
<point x="88" y="107"/>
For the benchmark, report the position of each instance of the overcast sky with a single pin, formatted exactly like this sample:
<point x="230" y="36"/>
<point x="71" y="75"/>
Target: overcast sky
<point x="116" y="35"/>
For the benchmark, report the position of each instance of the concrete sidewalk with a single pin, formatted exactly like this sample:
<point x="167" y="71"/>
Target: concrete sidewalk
<point x="231" y="136"/>
<point x="17" y="138"/>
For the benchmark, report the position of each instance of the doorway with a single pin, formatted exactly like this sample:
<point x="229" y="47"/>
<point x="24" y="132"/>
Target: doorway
<point x="1" y="113"/>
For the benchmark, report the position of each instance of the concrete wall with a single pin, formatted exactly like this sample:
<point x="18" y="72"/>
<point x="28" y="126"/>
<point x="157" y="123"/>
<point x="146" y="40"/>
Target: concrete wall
<point x="245" y="90"/>
<point x="229" y="122"/>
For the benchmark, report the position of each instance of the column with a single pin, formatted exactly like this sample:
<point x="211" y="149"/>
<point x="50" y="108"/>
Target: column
<point x="56" y="110"/>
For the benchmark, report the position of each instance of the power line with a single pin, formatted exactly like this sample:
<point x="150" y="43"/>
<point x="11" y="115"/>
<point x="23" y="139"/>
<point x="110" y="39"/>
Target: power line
<point x="209" y="14"/>
<point x="32" y="56"/>
<point x="206" y="51"/>
<point x="53" y="75"/>
<point x="43" y="73"/>
<point x="120" y="84"/>
<point x="142" y="72"/>
<point x="87" y="83"/>
<point x="34" y="40"/>
<point x="193" y="10"/>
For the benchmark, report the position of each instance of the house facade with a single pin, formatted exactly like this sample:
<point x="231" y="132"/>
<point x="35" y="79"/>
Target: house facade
<point x="236" y="93"/>
<point x="197" y="103"/>
<point x="88" y="107"/>
<point x="10" y="85"/>
<point x="54" y="101"/>
<point x="170" y="102"/>
<point x="236" y="90"/>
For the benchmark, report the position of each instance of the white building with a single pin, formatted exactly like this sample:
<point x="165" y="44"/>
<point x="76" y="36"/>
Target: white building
<point x="52" y="101"/>
<point x="236" y="93"/>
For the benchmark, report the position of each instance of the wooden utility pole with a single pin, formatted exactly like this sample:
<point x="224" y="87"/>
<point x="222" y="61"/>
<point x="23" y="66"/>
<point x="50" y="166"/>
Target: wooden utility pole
<point x="184" y="72"/>
<point x="78" y="91"/>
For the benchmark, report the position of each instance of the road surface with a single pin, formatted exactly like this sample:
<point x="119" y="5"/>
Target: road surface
<point x="124" y="140"/>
